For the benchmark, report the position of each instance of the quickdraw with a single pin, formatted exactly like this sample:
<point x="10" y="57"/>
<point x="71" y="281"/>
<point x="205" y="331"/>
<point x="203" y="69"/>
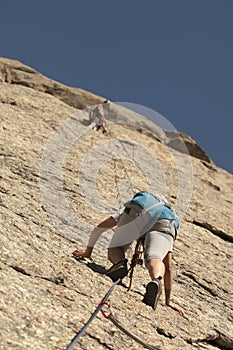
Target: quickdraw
<point x="119" y="325"/>
<point x="99" y="307"/>
<point x="136" y="259"/>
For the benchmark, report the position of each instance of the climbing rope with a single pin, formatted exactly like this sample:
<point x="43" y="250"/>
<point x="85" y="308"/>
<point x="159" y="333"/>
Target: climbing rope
<point x="110" y="317"/>
<point x="122" y="146"/>
<point x="119" y="325"/>
<point x="136" y="258"/>
<point x="100" y="306"/>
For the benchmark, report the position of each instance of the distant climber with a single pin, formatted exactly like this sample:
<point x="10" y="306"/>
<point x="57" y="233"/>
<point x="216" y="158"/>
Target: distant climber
<point x="97" y="117"/>
<point x="158" y="242"/>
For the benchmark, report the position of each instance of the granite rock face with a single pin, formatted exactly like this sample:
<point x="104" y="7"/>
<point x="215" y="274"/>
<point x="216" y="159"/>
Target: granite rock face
<point x="176" y="141"/>
<point x="14" y="72"/>
<point x="58" y="179"/>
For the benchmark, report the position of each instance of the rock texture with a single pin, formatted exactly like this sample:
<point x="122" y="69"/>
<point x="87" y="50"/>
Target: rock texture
<point x="175" y="141"/>
<point x="58" y="179"/>
<point x="14" y="72"/>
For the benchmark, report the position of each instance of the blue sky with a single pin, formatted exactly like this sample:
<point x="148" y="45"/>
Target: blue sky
<point x="173" y="56"/>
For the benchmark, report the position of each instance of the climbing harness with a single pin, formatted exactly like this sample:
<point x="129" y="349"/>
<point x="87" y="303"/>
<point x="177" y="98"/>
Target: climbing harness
<point x="108" y="315"/>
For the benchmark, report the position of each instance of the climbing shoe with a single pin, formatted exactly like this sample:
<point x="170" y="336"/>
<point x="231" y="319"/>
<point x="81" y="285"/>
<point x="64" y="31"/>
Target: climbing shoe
<point x="153" y="292"/>
<point x="118" y="270"/>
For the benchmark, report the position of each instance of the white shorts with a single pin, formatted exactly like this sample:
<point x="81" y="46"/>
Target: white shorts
<point x="157" y="245"/>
